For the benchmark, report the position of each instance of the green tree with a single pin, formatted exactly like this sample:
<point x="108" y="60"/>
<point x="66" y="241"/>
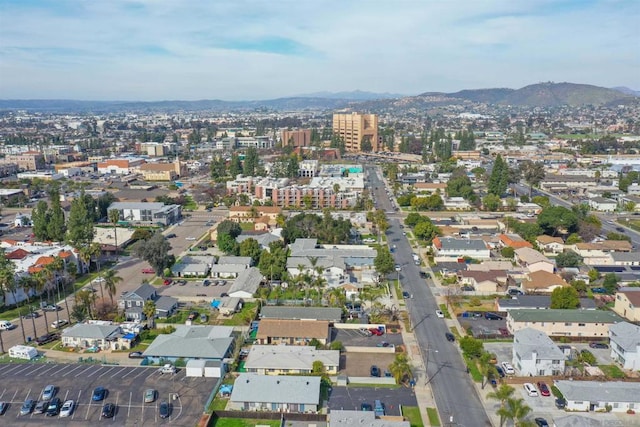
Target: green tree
<point x="471" y="347"/>
<point x="400" y="368"/>
<point x="499" y="178"/>
<point x="114" y="217"/>
<point x="542" y="201"/>
<point x="103" y="203"/>
<point x="515" y="410"/>
<point x="318" y="368"/>
<point x="565" y="298"/>
<point x="229" y="227"/>
<point x="80" y="229"/>
<point x="533" y="173"/>
<point x="218" y="168"/>
<point x="557" y="219"/>
<point x="426" y="231"/>
<point x="149" y="311"/>
<point x="251" y="161"/>
<point x="251" y="248"/>
<point x="568" y="259"/>
<point x="414" y="218"/>
<point x="156" y="252"/>
<point x="610" y="282"/>
<point x="235" y="166"/>
<point x="593" y="275"/>
<point x="502" y="394"/>
<point x="55" y="216"/>
<point x="40" y="221"/>
<point x="508" y="252"/>
<point x="383" y="261"/>
<point x="491" y="202"/>
<point x="228" y="244"/>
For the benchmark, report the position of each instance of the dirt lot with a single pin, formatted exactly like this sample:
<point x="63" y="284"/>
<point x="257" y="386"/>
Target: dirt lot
<point x="359" y="364"/>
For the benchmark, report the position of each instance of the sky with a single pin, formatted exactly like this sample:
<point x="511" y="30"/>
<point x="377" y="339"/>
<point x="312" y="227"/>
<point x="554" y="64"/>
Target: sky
<point x="151" y="50"/>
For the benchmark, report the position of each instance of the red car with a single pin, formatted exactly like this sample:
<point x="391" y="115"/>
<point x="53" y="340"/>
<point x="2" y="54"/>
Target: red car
<point x="376" y="331"/>
<point x="167" y="282"/>
<point x="544" y="390"/>
<point x="148" y="270"/>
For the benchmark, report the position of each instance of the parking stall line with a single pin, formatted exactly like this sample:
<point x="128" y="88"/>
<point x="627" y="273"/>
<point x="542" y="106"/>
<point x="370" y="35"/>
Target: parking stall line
<point x="13" y="399"/>
<point x="96" y="371"/>
<point x="13" y="369"/>
<point x="82" y="372"/>
<point x="142" y="371"/>
<point x="114" y="415"/>
<point x="73" y="370"/>
<point x="3" y="392"/>
<point x="62" y="369"/>
<point x="47" y="370"/>
<point x="35" y="370"/>
<point x="25" y="368"/>
<point x="106" y="372"/>
<point x="65" y="396"/>
<point x="128" y="371"/>
<point x="28" y="393"/>
<point x="77" y="405"/>
<point x="129" y="409"/>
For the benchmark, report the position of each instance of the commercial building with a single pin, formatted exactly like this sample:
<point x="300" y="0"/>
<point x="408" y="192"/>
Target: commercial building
<point x="148" y="212"/>
<point x="355" y="128"/>
<point x="27" y="161"/>
<point x="296" y="138"/>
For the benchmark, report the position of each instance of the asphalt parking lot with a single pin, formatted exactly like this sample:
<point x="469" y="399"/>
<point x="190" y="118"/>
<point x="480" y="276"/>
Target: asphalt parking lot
<point x="359" y="364"/>
<point x="125" y="385"/>
<point x="352" y="337"/>
<point x="196" y="289"/>
<point x="481" y="326"/>
<point x="350" y="398"/>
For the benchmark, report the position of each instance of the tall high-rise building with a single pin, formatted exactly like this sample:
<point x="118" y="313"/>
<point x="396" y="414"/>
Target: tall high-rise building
<point x="355" y="128"/>
<point x="296" y="138"/>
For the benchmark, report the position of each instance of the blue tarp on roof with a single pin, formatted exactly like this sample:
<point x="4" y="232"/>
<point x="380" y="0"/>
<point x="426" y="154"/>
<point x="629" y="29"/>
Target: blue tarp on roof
<point x="215" y="303"/>
<point x="129" y="336"/>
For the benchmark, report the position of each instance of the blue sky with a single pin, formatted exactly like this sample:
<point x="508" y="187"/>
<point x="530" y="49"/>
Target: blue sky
<point x="240" y="50"/>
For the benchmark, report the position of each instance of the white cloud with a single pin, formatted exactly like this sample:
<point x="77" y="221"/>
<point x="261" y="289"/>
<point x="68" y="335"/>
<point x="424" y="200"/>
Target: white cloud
<point x="157" y="49"/>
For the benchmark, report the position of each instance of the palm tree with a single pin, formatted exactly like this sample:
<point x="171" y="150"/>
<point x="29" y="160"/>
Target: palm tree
<point x="114" y="217"/>
<point x="503" y="393"/>
<point x="514" y="410"/>
<point x="486" y="368"/>
<point x="149" y="310"/>
<point x="111" y="279"/>
<point x="30" y="284"/>
<point x="400" y="368"/>
<point x="41" y="282"/>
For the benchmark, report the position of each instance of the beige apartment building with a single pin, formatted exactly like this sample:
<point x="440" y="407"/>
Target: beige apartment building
<point x="27" y="161"/>
<point x="354" y="128"/>
<point x="564" y="323"/>
<point x="296" y="138"/>
<point x="627" y="305"/>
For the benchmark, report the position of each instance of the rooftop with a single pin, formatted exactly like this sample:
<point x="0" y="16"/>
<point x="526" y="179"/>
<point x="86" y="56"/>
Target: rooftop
<point x="597" y="391"/>
<point x="558" y="315"/>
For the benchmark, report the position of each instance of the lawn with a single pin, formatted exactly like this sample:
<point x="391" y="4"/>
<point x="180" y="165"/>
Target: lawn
<point x="243" y="422"/>
<point x="445" y="311"/>
<point x="190" y="204"/>
<point x="633" y="224"/>
<point x="473" y="369"/>
<point x="413" y="415"/>
<point x="244" y="317"/>
<point x="612" y="371"/>
<point x="434" y="420"/>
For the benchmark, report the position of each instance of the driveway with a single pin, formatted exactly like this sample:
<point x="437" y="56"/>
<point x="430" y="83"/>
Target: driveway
<point x="350" y="398"/>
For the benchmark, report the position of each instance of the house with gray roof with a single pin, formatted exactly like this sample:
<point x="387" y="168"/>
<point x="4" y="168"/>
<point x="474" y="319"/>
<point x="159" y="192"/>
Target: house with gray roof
<point x="288" y="360"/>
<point x="536" y="302"/>
<point x="192" y="342"/>
<point x="575" y="420"/>
<point x="133" y="303"/>
<point x="588" y="396"/>
<point x="534" y="353"/>
<point x="246" y="284"/>
<point x="103" y="336"/>
<point x="193" y="266"/>
<point x="451" y="249"/>
<point x="229" y="267"/>
<point x="263" y="239"/>
<point x="625" y="345"/>
<point x="339" y="418"/>
<point x="625" y="258"/>
<point x="564" y="323"/>
<point x="330" y="314"/>
<point x="277" y="393"/>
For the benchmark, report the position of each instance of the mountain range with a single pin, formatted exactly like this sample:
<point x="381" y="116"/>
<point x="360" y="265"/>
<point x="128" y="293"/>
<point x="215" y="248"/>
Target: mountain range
<point x="537" y="95"/>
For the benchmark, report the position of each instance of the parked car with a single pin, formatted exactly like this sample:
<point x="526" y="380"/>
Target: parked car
<point x="3" y="407"/>
<point x="541" y="422"/>
<point x="41" y="406"/>
<point x="168" y="369"/>
<point x="32" y="315"/>
<point x="530" y="389"/>
<point x="108" y="410"/>
<point x="492" y="316"/>
<point x="560" y="403"/>
<point x="450" y="337"/>
<point x="51" y="307"/>
<point x="500" y="371"/>
<point x="47" y="338"/>
<point x="167" y="282"/>
<point x="99" y="393"/>
<point x="67" y="408"/>
<point x="598" y="345"/>
<point x="440" y="314"/>
<point x="397" y="267"/>
<point x="5" y="325"/>
<point x="374" y="371"/>
<point x="171" y="236"/>
<point x="599" y="290"/>
<point x="54" y="407"/>
<point x="508" y="369"/>
<point x="136" y="355"/>
<point x="406" y="295"/>
<point x="378" y="408"/>
<point x="544" y="390"/>
<point x="27" y="407"/>
<point x="57" y="324"/>
<point x="149" y="395"/>
<point x="48" y="392"/>
<point x="164" y="409"/>
<point x="148" y="271"/>
<point x="366" y="407"/>
<point x="206" y="282"/>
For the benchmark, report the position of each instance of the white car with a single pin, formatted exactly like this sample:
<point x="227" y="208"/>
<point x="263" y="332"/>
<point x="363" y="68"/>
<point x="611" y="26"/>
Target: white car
<point x="190" y="238"/>
<point x="530" y="389"/>
<point x="67" y="408"/>
<point x="168" y="369"/>
<point x="440" y="314"/>
<point x="508" y="369"/>
<point x="59" y="323"/>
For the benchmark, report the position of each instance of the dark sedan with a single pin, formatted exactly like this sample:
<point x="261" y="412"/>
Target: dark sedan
<point x="108" y="410"/>
<point x="598" y="345"/>
<point x="165" y="409"/>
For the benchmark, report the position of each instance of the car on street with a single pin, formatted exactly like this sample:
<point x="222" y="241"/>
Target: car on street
<point x="67" y="408"/>
<point x="541" y="422"/>
<point x="99" y="393"/>
<point x="41" y="406"/>
<point x="32" y="315"/>
<point x="56" y="324"/>
<point x="136" y="355"/>
<point x="148" y="271"/>
<point x="149" y="395"/>
<point x="620" y="229"/>
<point x="171" y="236"/>
<point x="206" y="282"/>
<point x="27" y="407"/>
<point x="191" y="239"/>
<point x="440" y="314"/>
<point x="48" y="392"/>
<point x="406" y="295"/>
<point x="54" y="407"/>
<point x="374" y="371"/>
<point x="544" y="390"/>
<point x="598" y="345"/>
<point x="164" y="409"/>
<point x="108" y="410"/>
<point x="397" y="267"/>
<point x="450" y="337"/>
<point x="52" y="307"/>
<point x="508" y="369"/>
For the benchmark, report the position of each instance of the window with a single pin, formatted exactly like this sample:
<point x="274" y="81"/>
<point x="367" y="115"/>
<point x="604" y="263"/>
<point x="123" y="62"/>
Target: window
<point x="555" y="362"/>
<point x="568" y="324"/>
<point x="581" y="324"/>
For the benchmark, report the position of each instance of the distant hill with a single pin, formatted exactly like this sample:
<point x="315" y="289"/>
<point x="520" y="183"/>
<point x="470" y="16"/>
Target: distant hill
<point x="356" y="95"/>
<point x="626" y="90"/>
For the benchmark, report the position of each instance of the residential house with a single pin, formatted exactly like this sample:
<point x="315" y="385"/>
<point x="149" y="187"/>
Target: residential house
<point x="246" y="284"/>
<point x="484" y="281"/>
<point x="550" y="245"/>
<point x="450" y="249"/>
<point x="598" y="253"/>
<point x="263" y="238"/>
<point x="329" y="314"/>
<point x="600" y="396"/>
<point x="292" y="332"/>
<point x="340" y="418"/>
<point x="277" y="393"/>
<point x="103" y="336"/>
<point x="625" y="258"/>
<point x="490" y="265"/>
<point x="624" y="339"/>
<point x="533" y="260"/>
<point x="290" y="360"/>
<point x="576" y="183"/>
<point x="228" y="306"/>
<point x="193" y="266"/>
<point x="149" y="213"/>
<point x="513" y="241"/>
<point x="430" y="187"/>
<point x="536" y="302"/>
<point x="230" y="266"/>
<point x="133" y="303"/>
<point x="192" y="342"/>
<point x="535" y="354"/>
<point x="627" y="304"/>
<point x="542" y="282"/>
<point x="456" y="204"/>
<point x="601" y="204"/>
<point x="564" y="323"/>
